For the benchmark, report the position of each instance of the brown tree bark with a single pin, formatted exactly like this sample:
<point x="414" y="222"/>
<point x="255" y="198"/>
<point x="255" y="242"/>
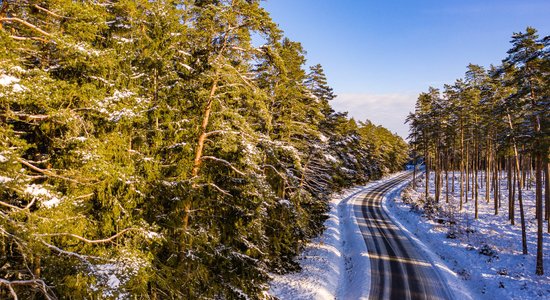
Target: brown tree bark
<point x="538" y="201"/>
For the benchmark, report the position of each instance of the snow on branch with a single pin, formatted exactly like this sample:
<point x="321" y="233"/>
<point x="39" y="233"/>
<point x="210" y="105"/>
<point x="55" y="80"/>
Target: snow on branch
<point x="100" y="241"/>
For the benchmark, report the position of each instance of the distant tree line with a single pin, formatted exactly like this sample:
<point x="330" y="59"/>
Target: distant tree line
<point x="492" y="122"/>
<point x="164" y="149"/>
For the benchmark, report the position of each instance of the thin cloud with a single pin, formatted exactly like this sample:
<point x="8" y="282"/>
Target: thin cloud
<point x="388" y="110"/>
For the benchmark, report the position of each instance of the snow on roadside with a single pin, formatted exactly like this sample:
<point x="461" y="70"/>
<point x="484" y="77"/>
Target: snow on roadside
<point x="336" y="264"/>
<point x="486" y="253"/>
<point x="454" y="282"/>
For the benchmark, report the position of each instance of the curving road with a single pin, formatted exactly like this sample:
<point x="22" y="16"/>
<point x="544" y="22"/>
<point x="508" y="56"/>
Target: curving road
<point x="398" y="270"/>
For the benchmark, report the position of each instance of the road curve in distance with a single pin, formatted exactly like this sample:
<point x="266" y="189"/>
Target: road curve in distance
<point x="398" y="270"/>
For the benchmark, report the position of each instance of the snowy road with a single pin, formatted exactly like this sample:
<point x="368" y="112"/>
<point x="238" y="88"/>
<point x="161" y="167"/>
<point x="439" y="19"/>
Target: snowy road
<point x="398" y="270"/>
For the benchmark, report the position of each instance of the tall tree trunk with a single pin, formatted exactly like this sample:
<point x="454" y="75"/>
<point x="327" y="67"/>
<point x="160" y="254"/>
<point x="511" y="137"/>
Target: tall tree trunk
<point x="446" y="180"/>
<point x="475" y="185"/>
<point x="462" y="167"/>
<point x="427" y="165"/>
<point x="467" y="165"/>
<point x="520" y="201"/>
<point x="547" y="192"/>
<point x="538" y="201"/>
<point x="414" y="169"/>
<point x="495" y="184"/>
<point x="453" y="168"/>
<point x="203" y="129"/>
<point x="437" y="173"/>
<point x="514" y="184"/>
<point x="200" y="147"/>
<point x="510" y="191"/>
<point x="488" y="171"/>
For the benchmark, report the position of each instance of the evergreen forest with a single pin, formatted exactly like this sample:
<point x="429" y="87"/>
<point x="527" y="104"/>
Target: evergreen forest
<point x="182" y="149"/>
<point x="493" y="125"/>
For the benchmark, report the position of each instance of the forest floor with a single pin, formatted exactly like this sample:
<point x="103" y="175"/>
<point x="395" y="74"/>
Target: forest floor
<point x="485" y="253"/>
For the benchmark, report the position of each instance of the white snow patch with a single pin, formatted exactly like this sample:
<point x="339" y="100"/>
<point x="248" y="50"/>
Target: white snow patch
<point x="506" y="275"/>
<point x="4" y="179"/>
<point x="53" y="202"/>
<point x="6" y="80"/>
<point x="445" y="273"/>
<point x="18" y="69"/>
<point x="112" y="277"/>
<point x="330" y="157"/>
<point x="81" y="47"/>
<point x="336" y="264"/>
<point x="17" y="88"/>
<point x="39" y="192"/>
<point x="80" y="138"/>
<point x="152" y="235"/>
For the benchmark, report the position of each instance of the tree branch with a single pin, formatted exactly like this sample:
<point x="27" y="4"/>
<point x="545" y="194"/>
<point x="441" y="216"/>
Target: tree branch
<point x="32" y="282"/>
<point x="49" y="12"/>
<point x="106" y="240"/>
<point x="46" y="172"/>
<point x="224" y="162"/>
<point x="29" y="25"/>
<point x="217" y="188"/>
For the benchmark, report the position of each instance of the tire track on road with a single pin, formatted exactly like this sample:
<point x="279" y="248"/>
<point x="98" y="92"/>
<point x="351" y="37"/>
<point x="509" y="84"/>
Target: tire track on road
<point x="398" y="271"/>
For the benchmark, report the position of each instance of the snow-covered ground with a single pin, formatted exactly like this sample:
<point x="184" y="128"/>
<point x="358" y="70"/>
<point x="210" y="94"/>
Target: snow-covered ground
<point x="336" y="264"/>
<point x="323" y="262"/>
<point x="485" y="253"/>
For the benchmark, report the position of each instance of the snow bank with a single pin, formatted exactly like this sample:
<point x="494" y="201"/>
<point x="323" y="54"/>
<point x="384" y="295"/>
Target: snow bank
<point x="447" y="275"/>
<point x="335" y="265"/>
<point x="324" y="260"/>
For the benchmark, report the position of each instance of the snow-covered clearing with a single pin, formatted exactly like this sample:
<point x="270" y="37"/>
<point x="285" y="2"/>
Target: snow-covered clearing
<point x="486" y="253"/>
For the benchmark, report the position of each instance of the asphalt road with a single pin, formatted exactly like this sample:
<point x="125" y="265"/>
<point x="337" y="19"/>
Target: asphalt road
<point x="398" y="270"/>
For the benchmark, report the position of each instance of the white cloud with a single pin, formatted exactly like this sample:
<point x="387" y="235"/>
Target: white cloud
<point x="388" y="110"/>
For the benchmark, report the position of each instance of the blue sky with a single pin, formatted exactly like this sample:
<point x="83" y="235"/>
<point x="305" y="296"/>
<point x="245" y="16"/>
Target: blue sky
<point x="379" y="55"/>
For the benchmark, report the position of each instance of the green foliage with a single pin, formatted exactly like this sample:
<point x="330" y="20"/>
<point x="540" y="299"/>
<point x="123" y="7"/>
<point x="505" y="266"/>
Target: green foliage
<point x="104" y="191"/>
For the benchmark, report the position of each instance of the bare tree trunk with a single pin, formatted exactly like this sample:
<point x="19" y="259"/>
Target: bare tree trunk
<point x="488" y="161"/>
<point x="202" y="135"/>
<point x="453" y="168"/>
<point x="462" y="167"/>
<point x="514" y="184"/>
<point x="520" y="201"/>
<point x="437" y="178"/>
<point x="510" y="190"/>
<point x="200" y="147"/>
<point x="414" y="169"/>
<point x="446" y="180"/>
<point x="467" y="165"/>
<point x="520" y="197"/>
<point x="475" y="185"/>
<point x="547" y="192"/>
<point x="538" y="201"/>
<point x="496" y="186"/>
<point x="427" y="165"/>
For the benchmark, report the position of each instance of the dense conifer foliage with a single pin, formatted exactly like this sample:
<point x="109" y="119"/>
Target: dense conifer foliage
<point x="490" y="125"/>
<point x="151" y="149"/>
